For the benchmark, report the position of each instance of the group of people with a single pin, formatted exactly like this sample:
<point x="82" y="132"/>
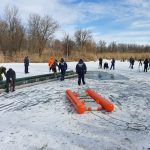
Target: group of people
<point x="10" y="78"/>
<point x="62" y="67"/>
<point x="146" y="63"/>
<point x="10" y="75"/>
<point x="106" y="64"/>
<point x="81" y="69"/>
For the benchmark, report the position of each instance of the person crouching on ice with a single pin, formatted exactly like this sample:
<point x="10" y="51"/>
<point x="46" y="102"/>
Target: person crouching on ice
<point x="62" y="68"/>
<point x="10" y="79"/>
<point x="81" y="70"/>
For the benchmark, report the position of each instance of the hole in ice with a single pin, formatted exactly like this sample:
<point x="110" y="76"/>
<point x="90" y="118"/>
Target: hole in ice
<point x="100" y="75"/>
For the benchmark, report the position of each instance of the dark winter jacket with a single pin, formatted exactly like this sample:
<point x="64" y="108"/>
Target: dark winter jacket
<point x="26" y="61"/>
<point x="54" y="65"/>
<point x="63" y="65"/>
<point x="113" y="61"/>
<point x="100" y="60"/>
<point x="106" y="65"/>
<point x="132" y="61"/>
<point x="10" y="74"/>
<point x="146" y="62"/>
<point x="81" y="67"/>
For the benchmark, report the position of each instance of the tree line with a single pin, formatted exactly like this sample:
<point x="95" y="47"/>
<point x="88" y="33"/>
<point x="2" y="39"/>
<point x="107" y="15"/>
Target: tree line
<point x="38" y="34"/>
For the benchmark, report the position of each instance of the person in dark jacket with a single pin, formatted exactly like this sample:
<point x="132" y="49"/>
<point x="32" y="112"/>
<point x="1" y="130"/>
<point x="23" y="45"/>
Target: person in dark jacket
<point x="2" y="71"/>
<point x="112" y="64"/>
<point x="53" y="67"/>
<point x="10" y="79"/>
<point x="106" y="65"/>
<point x="26" y="64"/>
<point x="81" y="70"/>
<point x="145" y="64"/>
<point x="140" y="62"/>
<point x="62" y="68"/>
<point x="100" y="62"/>
<point x="131" y="62"/>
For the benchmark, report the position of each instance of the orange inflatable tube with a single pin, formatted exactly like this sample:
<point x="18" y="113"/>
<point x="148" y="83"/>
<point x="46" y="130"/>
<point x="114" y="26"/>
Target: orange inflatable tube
<point x="108" y="106"/>
<point x="79" y="106"/>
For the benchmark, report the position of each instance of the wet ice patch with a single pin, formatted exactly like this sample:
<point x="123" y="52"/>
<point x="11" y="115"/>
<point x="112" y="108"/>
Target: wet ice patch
<point x="100" y="75"/>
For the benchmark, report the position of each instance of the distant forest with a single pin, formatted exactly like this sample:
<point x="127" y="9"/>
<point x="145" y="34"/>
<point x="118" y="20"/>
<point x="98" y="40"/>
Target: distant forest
<point x="38" y="34"/>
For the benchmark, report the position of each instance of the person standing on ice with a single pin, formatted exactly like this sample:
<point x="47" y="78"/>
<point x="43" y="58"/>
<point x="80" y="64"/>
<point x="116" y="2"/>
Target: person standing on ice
<point x="100" y="62"/>
<point x="131" y="62"/>
<point x="26" y="64"/>
<point x="81" y="71"/>
<point x="10" y="79"/>
<point x="2" y="71"/>
<point x="50" y="62"/>
<point x="62" y="68"/>
<point x="140" y="62"/>
<point x="112" y="64"/>
<point x="145" y="64"/>
<point x="53" y="67"/>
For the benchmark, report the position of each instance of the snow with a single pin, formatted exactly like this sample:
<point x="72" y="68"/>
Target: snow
<point x="41" y="118"/>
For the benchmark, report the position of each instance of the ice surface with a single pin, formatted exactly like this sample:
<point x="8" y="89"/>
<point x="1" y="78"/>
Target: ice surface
<point x="41" y="118"/>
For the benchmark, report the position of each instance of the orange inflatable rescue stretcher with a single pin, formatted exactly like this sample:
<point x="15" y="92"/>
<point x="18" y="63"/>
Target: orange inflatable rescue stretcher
<point x="108" y="106"/>
<point x="80" y="105"/>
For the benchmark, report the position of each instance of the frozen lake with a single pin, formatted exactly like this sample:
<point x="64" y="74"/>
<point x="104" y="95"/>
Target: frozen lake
<point x="101" y="75"/>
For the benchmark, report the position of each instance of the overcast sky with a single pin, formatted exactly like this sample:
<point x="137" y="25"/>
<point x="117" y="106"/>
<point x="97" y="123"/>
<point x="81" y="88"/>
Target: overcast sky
<point x="123" y="21"/>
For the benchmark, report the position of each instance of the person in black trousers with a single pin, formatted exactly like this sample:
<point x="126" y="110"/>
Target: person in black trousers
<point x="62" y="68"/>
<point x="106" y="65"/>
<point x="145" y="64"/>
<point x="53" y="67"/>
<point x="100" y="62"/>
<point x="10" y="79"/>
<point x="112" y="64"/>
<point x="26" y="64"/>
<point x="81" y="71"/>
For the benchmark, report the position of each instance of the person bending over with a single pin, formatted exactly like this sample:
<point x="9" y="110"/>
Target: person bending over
<point x="10" y="80"/>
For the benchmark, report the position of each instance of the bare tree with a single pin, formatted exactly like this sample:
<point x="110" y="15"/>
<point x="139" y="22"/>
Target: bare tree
<point x="101" y="45"/>
<point x="11" y="31"/>
<point x="121" y="47"/>
<point x="82" y="37"/>
<point x="41" y="29"/>
<point x="112" y="47"/>
<point x="57" y="46"/>
<point x="3" y="37"/>
<point x="68" y="45"/>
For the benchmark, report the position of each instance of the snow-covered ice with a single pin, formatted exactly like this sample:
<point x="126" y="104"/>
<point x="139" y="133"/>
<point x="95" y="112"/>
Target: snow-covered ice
<point x="41" y="118"/>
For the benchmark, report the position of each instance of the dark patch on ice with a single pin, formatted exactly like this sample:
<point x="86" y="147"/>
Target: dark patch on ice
<point x="100" y="75"/>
